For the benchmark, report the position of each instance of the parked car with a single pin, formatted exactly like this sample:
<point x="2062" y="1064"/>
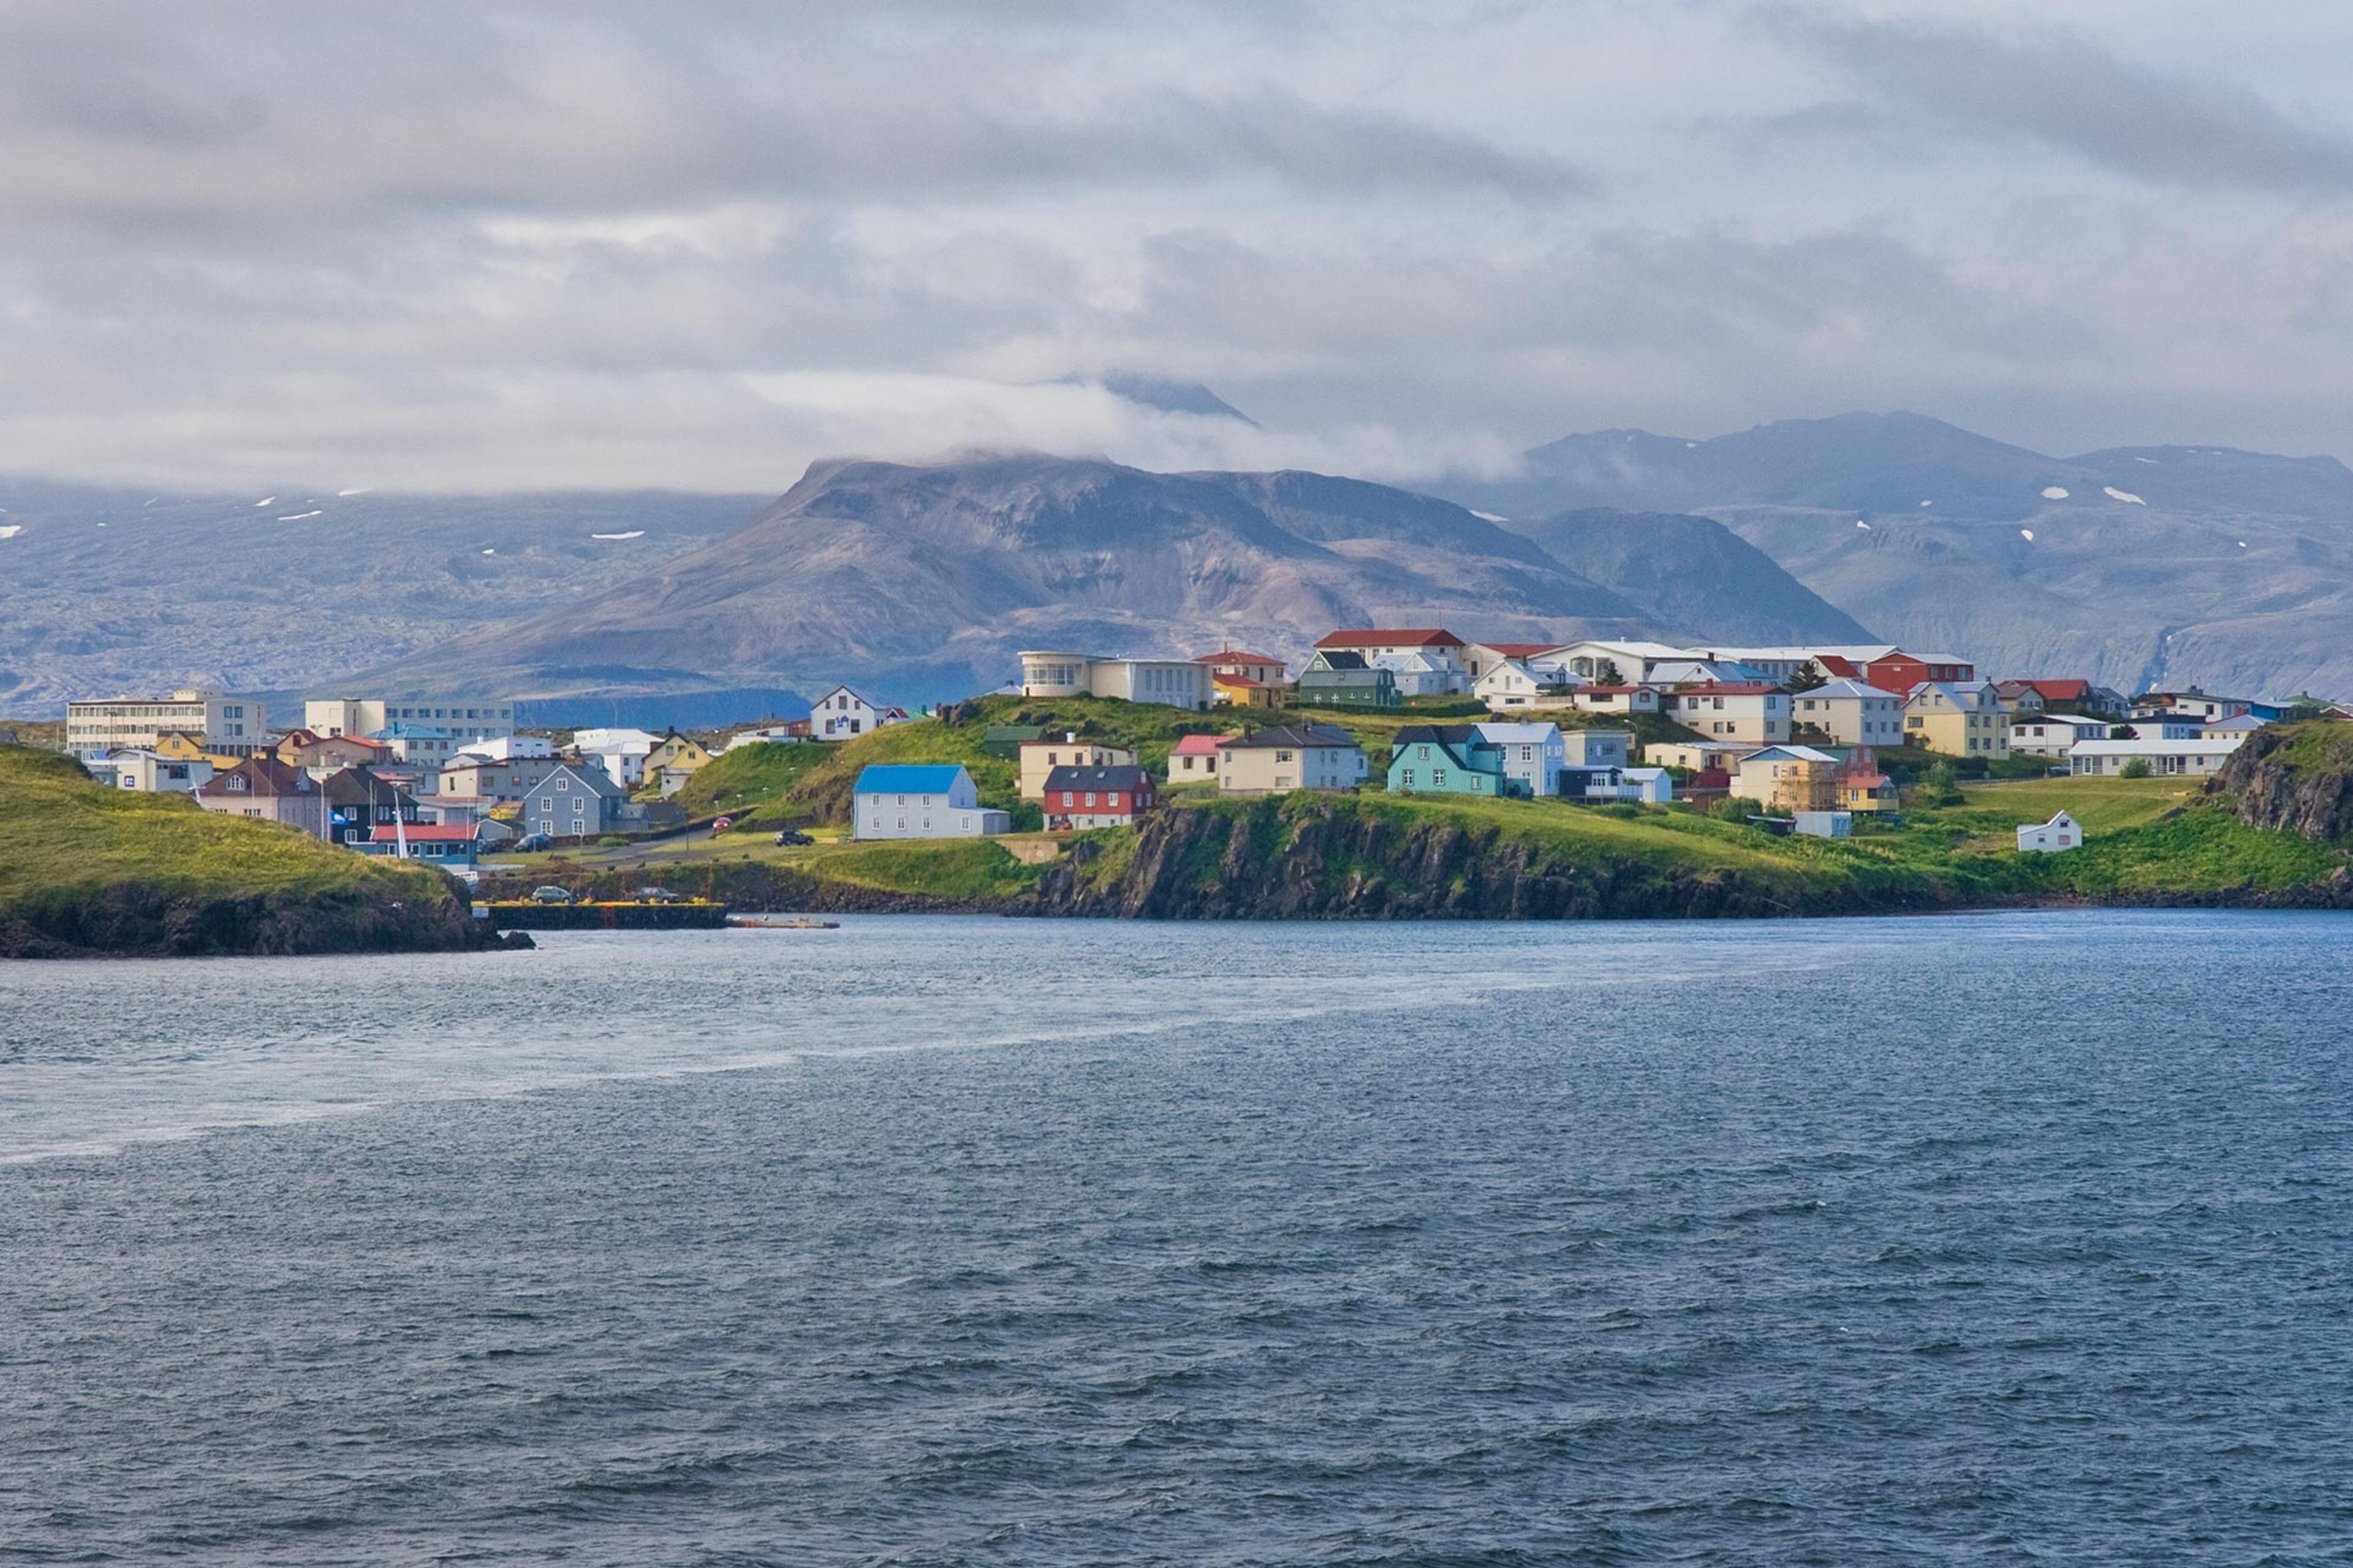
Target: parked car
<point x="658" y="896"/>
<point x="793" y="836"/>
<point x="531" y="841"/>
<point x="551" y="895"/>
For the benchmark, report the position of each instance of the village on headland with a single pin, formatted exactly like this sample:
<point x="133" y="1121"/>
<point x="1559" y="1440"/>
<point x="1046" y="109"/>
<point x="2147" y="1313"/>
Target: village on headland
<point x="1805" y="740"/>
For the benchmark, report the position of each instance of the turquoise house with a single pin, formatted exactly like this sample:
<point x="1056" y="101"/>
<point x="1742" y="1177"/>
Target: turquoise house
<point x="1445" y="759"/>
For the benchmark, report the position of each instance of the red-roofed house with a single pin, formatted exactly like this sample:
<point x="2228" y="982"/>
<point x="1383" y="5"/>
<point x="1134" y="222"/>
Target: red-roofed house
<point x="440" y="843"/>
<point x="1241" y="691"/>
<point x="1194" y="759"/>
<point x="1261" y="668"/>
<point x="1615" y="698"/>
<point x="1900" y="672"/>
<point x="1744" y="710"/>
<point x="1409" y="649"/>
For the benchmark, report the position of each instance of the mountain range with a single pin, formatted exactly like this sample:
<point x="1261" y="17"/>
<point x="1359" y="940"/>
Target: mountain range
<point x="2136" y="566"/>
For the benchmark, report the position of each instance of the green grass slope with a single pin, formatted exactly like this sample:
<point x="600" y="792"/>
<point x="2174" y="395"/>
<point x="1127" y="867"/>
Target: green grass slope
<point x="88" y="869"/>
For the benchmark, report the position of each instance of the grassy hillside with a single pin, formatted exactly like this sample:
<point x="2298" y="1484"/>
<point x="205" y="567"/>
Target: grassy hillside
<point x="752" y="782"/>
<point x="85" y="869"/>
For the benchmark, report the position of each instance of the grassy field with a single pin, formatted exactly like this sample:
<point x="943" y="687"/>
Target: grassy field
<point x="64" y="839"/>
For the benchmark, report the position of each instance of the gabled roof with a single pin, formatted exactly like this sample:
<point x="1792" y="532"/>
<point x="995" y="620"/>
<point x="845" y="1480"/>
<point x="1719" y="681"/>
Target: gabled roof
<point x="1437" y="735"/>
<point x="260" y="776"/>
<point x="1236" y="656"/>
<point x="1407" y="636"/>
<point x="431" y="833"/>
<point x="1335" y="658"/>
<point x="908" y="778"/>
<point x="1293" y="737"/>
<point x="1521" y="651"/>
<point x="597" y="780"/>
<point x="1199" y="745"/>
<point x="1846" y="686"/>
<point x="1518" y="735"/>
<point x="1118" y="776"/>
<point x="1244" y="681"/>
<point x="1790" y="753"/>
<point x="1728" y="688"/>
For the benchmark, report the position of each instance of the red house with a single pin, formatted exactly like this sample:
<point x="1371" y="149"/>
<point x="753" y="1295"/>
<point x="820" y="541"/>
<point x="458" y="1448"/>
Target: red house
<point x="1097" y="797"/>
<point x="1899" y="672"/>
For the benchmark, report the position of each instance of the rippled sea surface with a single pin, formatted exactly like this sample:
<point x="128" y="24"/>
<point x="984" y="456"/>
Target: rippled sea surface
<point x="2017" y="1238"/>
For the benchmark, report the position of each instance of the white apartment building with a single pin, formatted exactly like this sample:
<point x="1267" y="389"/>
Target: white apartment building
<point x="233" y="726"/>
<point x="1169" y="682"/>
<point x="462" y="718"/>
<point x="424" y="732"/>
<point x="1850" y="713"/>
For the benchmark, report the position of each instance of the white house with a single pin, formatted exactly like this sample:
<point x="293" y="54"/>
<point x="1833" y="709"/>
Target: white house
<point x="1652" y="787"/>
<point x="2110" y="757"/>
<point x="144" y="771"/>
<point x="1169" y="682"/>
<point x="1508" y="683"/>
<point x="1422" y="672"/>
<point x="1533" y="754"/>
<point x="1744" y="710"/>
<point x="1850" y="713"/>
<point x="1594" y="659"/>
<point x="620" y="753"/>
<point x="1435" y="645"/>
<point x="922" y="800"/>
<point x="842" y="713"/>
<point x="2048" y="838"/>
<point x="2052" y="734"/>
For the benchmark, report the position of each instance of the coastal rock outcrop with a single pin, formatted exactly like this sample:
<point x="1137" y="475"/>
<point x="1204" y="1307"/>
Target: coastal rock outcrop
<point x="2293" y="778"/>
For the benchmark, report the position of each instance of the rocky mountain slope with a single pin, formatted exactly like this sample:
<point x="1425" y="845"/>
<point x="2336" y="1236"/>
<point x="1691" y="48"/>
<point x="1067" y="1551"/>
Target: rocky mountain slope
<point x="2137" y="566"/>
<point x="105" y="590"/>
<point x="926" y="580"/>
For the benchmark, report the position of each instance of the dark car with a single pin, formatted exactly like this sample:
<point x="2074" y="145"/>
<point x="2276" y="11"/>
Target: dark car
<point x="793" y="836"/>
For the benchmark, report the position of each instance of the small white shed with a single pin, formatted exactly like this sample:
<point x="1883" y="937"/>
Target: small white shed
<point x="2049" y="838"/>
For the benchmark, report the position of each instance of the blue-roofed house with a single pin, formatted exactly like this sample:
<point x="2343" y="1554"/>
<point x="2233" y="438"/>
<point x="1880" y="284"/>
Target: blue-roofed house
<point x="922" y="800"/>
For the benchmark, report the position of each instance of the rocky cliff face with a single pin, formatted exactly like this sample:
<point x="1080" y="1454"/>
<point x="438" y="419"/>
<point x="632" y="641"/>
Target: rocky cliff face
<point x="134" y="921"/>
<point x="1309" y="859"/>
<point x="2293" y="778"/>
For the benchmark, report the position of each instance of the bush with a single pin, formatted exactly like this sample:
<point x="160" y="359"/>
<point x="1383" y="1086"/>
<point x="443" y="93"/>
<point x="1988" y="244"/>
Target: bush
<point x="1937" y="786"/>
<point x="612" y="841"/>
<point x="1732" y="808"/>
<point x="1027" y="816"/>
<point x="2134" y="768"/>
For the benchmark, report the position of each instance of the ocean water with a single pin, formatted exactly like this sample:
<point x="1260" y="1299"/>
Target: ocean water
<point x="2021" y="1238"/>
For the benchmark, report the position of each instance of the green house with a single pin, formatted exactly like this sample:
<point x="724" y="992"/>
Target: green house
<point x="1005" y="740"/>
<point x="1336" y="677"/>
<point x="1445" y="759"/>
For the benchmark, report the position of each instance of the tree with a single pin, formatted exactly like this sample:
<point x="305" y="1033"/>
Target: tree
<point x="1937" y="785"/>
<point x="2124" y="732"/>
<point x="1609" y="675"/>
<point x="1811" y="677"/>
<point x="2134" y="768"/>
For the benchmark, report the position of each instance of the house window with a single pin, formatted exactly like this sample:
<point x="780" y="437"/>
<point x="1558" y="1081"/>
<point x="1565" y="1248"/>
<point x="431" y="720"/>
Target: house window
<point x="1091" y="797"/>
<point x="1407" y="778"/>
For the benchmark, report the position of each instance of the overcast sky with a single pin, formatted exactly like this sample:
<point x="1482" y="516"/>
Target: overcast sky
<point x="479" y="244"/>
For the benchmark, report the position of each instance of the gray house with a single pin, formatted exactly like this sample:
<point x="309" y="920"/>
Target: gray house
<point x="1336" y="675"/>
<point x="578" y="800"/>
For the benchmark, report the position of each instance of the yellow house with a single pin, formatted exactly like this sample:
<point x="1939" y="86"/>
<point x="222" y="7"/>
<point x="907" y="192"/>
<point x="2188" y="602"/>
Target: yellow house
<point x="1243" y="692"/>
<point x="1043" y="755"/>
<point x="1789" y="778"/>
<point x="673" y="760"/>
<point x="181" y="747"/>
<point x="1958" y="721"/>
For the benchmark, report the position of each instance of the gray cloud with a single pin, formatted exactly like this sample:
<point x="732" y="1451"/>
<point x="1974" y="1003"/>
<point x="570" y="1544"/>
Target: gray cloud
<point x="2060" y="90"/>
<point x="353" y="115"/>
<point x="532" y="242"/>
